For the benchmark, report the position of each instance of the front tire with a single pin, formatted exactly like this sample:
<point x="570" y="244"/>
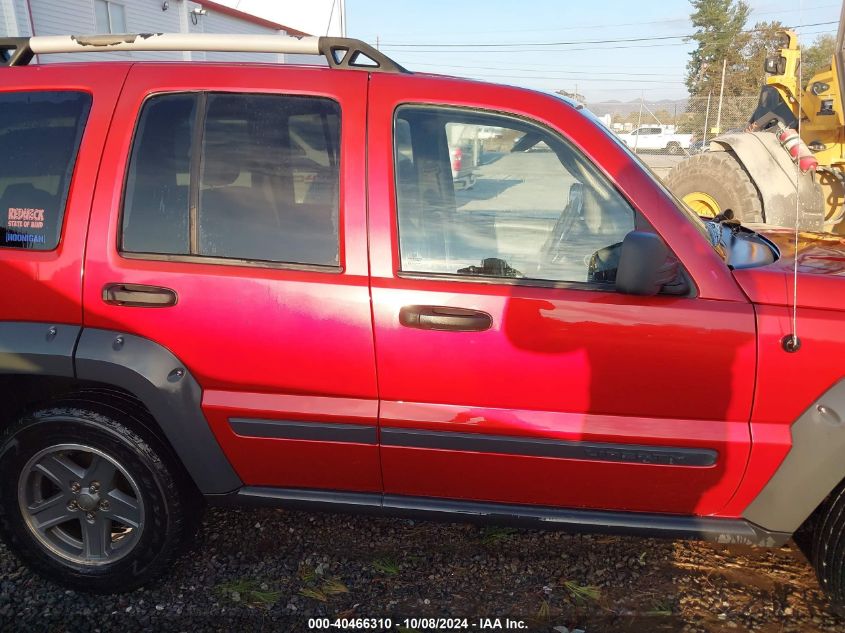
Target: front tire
<point x="90" y="499"/>
<point x="828" y="547"/>
<point x="712" y="182"/>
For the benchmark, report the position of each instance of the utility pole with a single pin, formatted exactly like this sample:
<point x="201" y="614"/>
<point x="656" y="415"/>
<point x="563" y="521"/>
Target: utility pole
<point x="707" y="118"/>
<point x="639" y="120"/>
<point x="721" y="93"/>
<point x="377" y="48"/>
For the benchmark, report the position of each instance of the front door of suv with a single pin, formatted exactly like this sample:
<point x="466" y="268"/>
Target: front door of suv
<point x="238" y="192"/>
<point x="509" y="368"/>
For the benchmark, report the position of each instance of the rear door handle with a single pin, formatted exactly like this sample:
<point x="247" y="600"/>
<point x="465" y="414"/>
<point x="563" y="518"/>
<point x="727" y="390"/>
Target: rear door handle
<point x="139" y="295"/>
<point x="445" y="318"/>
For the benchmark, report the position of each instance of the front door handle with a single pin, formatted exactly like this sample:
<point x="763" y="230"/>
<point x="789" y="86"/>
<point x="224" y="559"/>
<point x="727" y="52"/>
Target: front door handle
<point x="445" y="318"/>
<point x="138" y="295"/>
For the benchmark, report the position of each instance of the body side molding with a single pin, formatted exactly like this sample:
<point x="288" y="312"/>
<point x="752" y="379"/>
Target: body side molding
<point x="305" y="430"/>
<point x="542" y="447"/>
<point x="157" y="378"/>
<point x="540" y="517"/>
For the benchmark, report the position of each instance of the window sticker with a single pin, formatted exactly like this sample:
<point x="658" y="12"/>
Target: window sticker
<point x="28" y="219"/>
<point x="21" y="218"/>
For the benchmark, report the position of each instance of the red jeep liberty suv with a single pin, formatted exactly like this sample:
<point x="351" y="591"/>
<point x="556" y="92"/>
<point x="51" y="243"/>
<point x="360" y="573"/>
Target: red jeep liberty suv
<point x="257" y="283"/>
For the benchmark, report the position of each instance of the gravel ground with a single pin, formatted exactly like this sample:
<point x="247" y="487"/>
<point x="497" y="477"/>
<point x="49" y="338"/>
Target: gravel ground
<point x="257" y="570"/>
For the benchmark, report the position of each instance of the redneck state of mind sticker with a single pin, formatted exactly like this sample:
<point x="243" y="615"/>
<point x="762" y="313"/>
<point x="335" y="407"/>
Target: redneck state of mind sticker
<point x="25" y="225"/>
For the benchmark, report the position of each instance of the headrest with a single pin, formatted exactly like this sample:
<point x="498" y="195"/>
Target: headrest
<point x="220" y="168"/>
<point x="24" y="193"/>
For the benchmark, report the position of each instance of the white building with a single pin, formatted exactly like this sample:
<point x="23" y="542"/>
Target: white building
<point x="21" y="18"/>
<point x="318" y="17"/>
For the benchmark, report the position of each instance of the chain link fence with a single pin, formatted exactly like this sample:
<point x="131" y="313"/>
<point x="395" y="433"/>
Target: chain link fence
<point x="680" y="127"/>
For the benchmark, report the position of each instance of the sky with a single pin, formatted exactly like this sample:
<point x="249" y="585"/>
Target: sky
<point x="512" y="41"/>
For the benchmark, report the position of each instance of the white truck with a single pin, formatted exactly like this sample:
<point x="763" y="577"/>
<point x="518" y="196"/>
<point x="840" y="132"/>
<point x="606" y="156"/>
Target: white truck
<point x="657" y="138"/>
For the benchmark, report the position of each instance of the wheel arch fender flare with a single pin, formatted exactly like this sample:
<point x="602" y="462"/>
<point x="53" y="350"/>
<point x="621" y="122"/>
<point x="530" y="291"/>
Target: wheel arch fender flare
<point x="164" y="385"/>
<point x="775" y="176"/>
<point x="811" y="470"/>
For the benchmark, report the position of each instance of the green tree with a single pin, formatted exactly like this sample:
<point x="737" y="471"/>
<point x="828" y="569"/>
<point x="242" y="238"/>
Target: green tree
<point x="720" y="38"/>
<point x="764" y="39"/>
<point x="817" y="56"/>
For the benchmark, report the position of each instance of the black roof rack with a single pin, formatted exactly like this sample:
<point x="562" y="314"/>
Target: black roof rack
<point x="340" y="52"/>
<point x="15" y="51"/>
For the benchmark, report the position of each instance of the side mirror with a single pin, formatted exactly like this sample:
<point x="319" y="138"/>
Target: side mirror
<point x="644" y="265"/>
<point x="775" y="65"/>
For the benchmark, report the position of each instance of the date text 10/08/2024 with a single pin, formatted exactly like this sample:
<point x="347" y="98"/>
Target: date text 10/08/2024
<point x="418" y="624"/>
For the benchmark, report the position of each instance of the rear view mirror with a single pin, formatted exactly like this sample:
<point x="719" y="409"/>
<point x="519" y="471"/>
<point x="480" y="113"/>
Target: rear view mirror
<point x="644" y="265"/>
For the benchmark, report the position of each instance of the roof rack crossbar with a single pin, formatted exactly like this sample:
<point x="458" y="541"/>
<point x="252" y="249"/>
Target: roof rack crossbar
<point x="340" y="52"/>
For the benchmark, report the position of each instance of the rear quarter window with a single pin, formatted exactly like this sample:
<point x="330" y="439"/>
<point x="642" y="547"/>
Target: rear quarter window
<point x="40" y="133"/>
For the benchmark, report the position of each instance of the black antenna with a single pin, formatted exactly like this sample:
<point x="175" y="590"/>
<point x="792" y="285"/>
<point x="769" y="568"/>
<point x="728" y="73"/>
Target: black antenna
<point x="791" y="343"/>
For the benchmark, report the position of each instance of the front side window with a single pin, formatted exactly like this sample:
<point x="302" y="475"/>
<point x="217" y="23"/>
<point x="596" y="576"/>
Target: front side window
<point x="485" y="195"/>
<point x="40" y="133"/>
<point x="247" y="177"/>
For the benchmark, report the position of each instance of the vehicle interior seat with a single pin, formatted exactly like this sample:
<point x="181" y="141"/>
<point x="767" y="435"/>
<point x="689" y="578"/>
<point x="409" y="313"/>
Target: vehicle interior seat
<point x="235" y="220"/>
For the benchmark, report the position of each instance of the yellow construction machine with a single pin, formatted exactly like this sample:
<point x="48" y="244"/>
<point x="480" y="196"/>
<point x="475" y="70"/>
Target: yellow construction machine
<point x="753" y="174"/>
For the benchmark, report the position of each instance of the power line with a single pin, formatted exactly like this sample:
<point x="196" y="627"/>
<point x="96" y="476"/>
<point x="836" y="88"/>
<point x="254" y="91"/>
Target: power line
<point x="472" y="60"/>
<point x="537" y="70"/>
<point x="470" y="48"/>
<point x="508" y="44"/>
<point x="605" y="25"/>
<point x="580" y="79"/>
<point x="577" y="42"/>
<point x="331" y="15"/>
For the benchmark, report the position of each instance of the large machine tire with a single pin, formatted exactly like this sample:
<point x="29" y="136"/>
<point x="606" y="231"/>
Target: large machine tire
<point x="713" y="182"/>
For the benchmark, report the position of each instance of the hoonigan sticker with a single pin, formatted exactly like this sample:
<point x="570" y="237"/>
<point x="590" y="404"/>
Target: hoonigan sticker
<point x="27" y="219"/>
<point x="24" y="237"/>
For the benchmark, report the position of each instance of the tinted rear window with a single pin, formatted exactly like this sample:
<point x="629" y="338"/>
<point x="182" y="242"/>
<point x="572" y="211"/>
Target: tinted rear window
<point x="40" y="134"/>
<point x="235" y="176"/>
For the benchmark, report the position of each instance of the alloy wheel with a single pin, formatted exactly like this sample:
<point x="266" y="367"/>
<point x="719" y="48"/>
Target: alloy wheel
<point x="80" y="504"/>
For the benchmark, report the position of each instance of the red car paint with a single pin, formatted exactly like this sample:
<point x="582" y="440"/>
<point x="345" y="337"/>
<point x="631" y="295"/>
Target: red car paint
<point x="702" y="372"/>
<point x="255" y="331"/>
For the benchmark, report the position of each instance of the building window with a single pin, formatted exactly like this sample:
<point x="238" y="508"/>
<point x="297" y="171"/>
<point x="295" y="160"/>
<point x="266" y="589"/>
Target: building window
<point x="109" y="17"/>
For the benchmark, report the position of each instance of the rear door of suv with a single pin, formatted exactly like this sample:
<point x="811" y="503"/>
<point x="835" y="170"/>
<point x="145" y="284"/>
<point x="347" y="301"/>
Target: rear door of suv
<point x="53" y="123"/>
<point x="229" y="227"/>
